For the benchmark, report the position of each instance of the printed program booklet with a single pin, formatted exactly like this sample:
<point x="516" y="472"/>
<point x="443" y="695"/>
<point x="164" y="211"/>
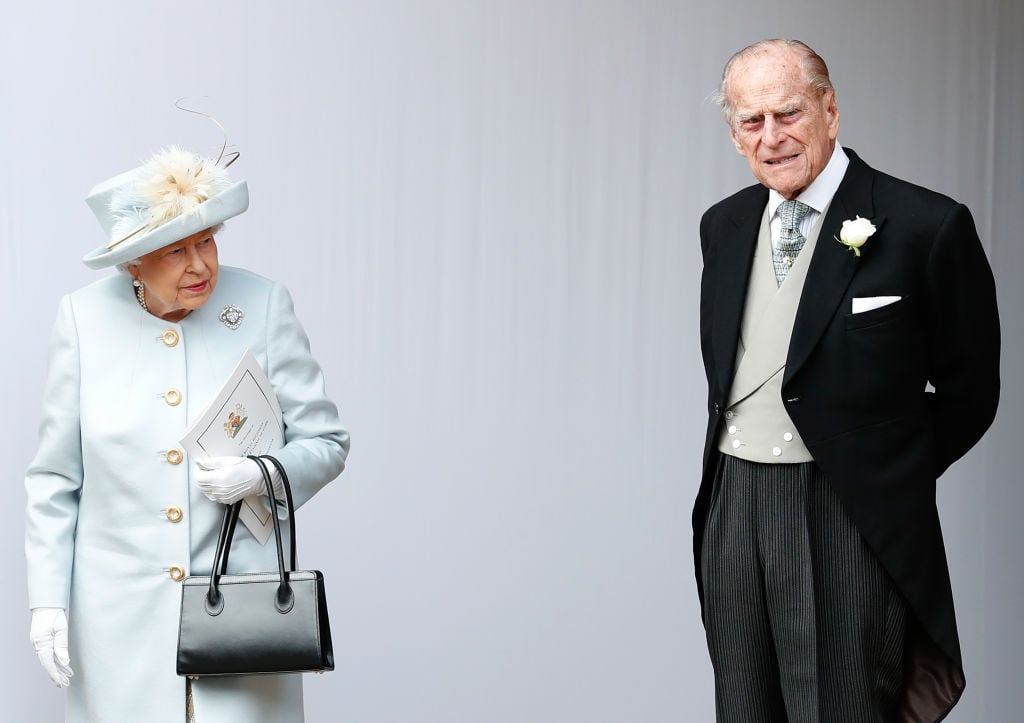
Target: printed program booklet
<point x="244" y="418"/>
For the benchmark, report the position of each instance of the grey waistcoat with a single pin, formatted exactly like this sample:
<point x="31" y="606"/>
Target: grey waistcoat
<point x="757" y="427"/>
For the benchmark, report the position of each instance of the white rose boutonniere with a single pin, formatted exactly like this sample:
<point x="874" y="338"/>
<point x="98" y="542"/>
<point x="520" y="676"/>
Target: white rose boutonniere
<point x="854" y="233"/>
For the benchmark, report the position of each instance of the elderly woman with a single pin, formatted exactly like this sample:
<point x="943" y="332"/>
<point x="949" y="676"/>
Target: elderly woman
<point x="117" y="515"/>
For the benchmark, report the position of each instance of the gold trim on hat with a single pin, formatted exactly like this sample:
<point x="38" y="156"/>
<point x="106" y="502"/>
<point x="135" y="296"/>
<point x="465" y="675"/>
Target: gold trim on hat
<point x="114" y="243"/>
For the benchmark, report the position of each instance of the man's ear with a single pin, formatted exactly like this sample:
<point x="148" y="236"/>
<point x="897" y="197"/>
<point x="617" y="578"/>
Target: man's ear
<point x="832" y="114"/>
<point x="736" y="142"/>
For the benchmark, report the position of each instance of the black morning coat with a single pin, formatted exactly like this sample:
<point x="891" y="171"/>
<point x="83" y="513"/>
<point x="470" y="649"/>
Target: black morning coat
<point x="855" y="385"/>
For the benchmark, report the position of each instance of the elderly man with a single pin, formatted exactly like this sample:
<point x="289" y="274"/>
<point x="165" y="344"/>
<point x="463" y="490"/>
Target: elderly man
<point x="851" y="344"/>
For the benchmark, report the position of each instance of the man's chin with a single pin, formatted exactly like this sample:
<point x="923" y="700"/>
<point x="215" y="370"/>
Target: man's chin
<point x="789" y="181"/>
<point x="786" y="187"/>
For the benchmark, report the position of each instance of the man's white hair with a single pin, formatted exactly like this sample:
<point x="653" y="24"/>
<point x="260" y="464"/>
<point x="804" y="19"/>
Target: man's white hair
<point x="815" y="70"/>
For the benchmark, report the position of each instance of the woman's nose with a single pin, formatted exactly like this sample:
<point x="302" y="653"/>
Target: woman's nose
<point x="195" y="259"/>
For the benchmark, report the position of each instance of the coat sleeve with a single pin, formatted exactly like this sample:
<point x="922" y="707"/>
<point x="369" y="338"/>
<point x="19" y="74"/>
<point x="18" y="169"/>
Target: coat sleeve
<point x="316" y="443"/>
<point x="54" y="479"/>
<point x="706" y="292"/>
<point x="964" y="333"/>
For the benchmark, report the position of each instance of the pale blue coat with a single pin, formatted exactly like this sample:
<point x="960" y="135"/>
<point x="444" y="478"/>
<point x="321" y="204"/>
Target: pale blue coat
<point x="99" y="541"/>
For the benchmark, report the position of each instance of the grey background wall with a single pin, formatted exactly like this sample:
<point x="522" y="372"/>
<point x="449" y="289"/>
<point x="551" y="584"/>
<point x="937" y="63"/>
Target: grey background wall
<point x="487" y="212"/>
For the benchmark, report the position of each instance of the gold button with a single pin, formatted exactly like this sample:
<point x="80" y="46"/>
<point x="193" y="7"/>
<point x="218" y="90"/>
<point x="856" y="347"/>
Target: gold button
<point x="170" y="337"/>
<point x="174" y="514"/>
<point x="177" y="573"/>
<point x="172" y="397"/>
<point x="174" y="456"/>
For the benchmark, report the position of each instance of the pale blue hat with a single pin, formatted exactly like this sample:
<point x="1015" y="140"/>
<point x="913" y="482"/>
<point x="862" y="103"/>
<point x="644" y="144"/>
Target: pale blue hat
<point x="173" y="195"/>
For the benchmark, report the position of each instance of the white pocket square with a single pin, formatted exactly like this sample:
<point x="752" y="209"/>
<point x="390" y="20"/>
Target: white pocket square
<point x="867" y="303"/>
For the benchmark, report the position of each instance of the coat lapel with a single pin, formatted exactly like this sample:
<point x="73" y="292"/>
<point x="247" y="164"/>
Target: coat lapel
<point x="731" y="285"/>
<point x="832" y="265"/>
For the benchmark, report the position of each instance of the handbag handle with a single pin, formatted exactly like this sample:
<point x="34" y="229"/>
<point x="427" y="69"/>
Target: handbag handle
<point x="291" y="516"/>
<point x="227" y="531"/>
<point x="285" y="599"/>
<point x="291" y="506"/>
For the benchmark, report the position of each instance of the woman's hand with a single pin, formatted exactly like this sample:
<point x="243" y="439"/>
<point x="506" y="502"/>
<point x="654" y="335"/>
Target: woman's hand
<point x="49" y="634"/>
<point x="229" y="479"/>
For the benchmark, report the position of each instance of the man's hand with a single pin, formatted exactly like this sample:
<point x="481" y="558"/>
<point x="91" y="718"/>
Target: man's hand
<point x="229" y="479"/>
<point x="49" y="634"/>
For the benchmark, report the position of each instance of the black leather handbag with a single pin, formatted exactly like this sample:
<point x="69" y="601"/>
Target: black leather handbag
<point x="254" y="623"/>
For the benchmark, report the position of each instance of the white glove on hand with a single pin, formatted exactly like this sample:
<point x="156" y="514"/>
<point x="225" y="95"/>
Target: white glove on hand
<point x="49" y="634"/>
<point x="229" y="479"/>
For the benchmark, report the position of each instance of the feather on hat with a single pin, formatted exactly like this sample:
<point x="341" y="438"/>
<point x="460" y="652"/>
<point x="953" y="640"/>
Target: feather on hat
<point x="173" y="195"/>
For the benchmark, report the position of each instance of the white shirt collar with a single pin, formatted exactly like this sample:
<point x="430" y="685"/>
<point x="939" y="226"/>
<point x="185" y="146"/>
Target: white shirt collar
<point x="819" y="194"/>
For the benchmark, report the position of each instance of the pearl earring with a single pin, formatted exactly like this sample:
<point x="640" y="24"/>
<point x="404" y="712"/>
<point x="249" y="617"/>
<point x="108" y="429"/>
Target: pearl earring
<point x="140" y="293"/>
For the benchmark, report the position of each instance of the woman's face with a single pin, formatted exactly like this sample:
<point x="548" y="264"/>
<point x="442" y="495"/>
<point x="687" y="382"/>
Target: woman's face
<point x="179" y="277"/>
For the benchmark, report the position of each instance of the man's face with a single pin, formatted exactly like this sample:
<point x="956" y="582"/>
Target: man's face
<point x="784" y="128"/>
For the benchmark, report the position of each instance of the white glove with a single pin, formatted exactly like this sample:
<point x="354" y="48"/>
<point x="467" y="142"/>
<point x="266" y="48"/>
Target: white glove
<point x="229" y="479"/>
<point x="49" y="634"/>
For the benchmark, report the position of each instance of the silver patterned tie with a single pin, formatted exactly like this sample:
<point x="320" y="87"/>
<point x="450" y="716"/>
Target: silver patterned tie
<point x="790" y="239"/>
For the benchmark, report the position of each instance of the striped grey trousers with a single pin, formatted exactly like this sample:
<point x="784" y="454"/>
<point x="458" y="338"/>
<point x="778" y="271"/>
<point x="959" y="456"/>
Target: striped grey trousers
<point x="803" y="623"/>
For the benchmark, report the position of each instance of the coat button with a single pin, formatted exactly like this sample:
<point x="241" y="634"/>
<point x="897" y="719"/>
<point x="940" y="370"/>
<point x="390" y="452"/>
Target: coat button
<point x="732" y="429"/>
<point x="788" y="436"/>
<point x="174" y="456"/>
<point x="730" y="414"/>
<point x="776" y="451"/>
<point x="174" y="514"/>
<point x="177" y="573"/>
<point x="170" y="337"/>
<point x="172" y="397"/>
<point x="736" y="444"/>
